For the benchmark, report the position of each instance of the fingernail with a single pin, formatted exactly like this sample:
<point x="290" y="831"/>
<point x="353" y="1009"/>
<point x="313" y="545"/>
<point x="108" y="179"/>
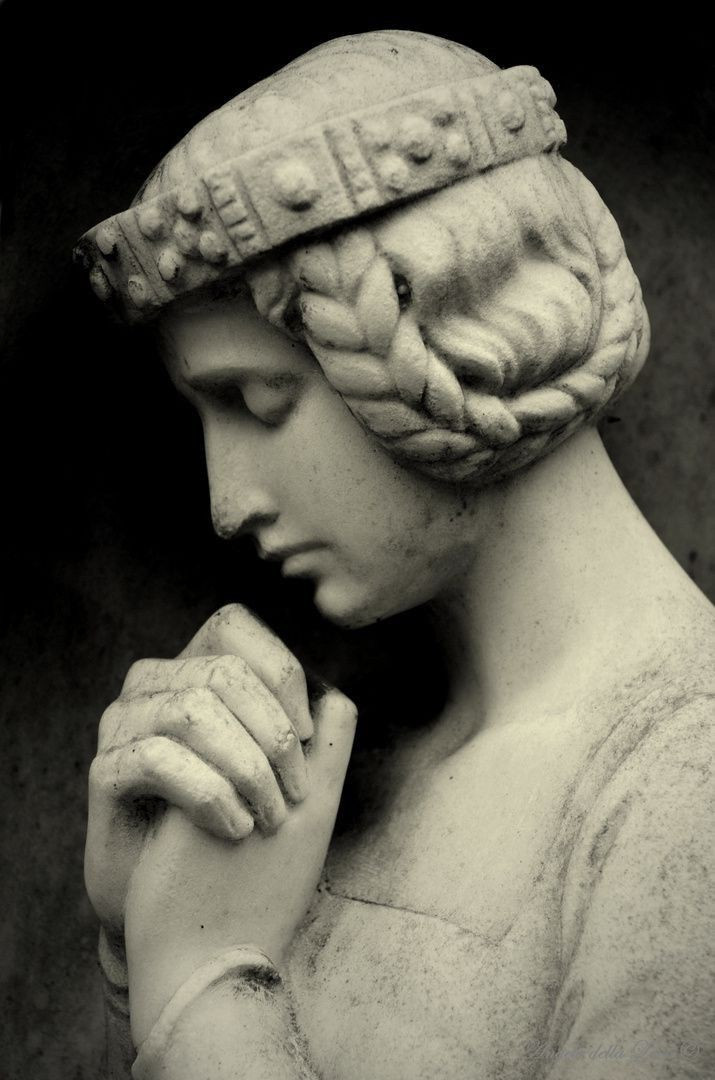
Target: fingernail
<point x="270" y="823"/>
<point x="239" y="826"/>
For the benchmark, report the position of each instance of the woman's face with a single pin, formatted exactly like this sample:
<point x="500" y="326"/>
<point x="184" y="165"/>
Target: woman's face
<point x="289" y="465"/>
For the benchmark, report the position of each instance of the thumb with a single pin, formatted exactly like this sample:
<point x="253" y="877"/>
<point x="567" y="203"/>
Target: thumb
<point x="335" y="718"/>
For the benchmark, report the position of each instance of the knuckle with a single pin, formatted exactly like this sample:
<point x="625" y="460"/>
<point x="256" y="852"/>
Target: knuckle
<point x="175" y="721"/>
<point x="210" y="802"/>
<point x="259" y="773"/>
<point x="192" y="702"/>
<point x="104" y="775"/>
<point x="225" y="616"/>
<point x="224" y="669"/>
<point x="351" y="709"/>
<point x="336" y="701"/>
<point x="109" y="722"/>
<point x="228" y="611"/>
<point x="283" y="743"/>
<point x="152" y="755"/>
<point x="136" y="673"/>
<point x="292" y="677"/>
<point x="97" y="774"/>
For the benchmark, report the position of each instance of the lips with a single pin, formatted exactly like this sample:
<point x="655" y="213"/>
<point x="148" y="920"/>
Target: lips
<point x="279" y="554"/>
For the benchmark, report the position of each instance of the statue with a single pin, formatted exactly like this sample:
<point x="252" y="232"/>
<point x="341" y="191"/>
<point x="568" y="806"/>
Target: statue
<point x="399" y="312"/>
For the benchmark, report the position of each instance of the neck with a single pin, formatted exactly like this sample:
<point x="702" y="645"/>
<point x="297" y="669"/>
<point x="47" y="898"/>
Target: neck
<point x="567" y="577"/>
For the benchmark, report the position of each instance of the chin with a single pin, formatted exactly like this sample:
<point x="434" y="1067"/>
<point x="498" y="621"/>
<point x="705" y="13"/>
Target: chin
<point x="353" y="610"/>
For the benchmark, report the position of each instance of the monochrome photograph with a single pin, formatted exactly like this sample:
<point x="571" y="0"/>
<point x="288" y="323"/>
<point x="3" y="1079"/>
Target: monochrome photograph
<point x="359" y="545"/>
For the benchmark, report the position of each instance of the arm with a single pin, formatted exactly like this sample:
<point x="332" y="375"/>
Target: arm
<point x="193" y="904"/>
<point x="639" y="923"/>
<point x="230" y="1018"/>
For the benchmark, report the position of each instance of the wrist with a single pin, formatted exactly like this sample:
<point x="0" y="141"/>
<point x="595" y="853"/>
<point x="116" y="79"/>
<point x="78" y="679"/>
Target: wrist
<point x="245" y="966"/>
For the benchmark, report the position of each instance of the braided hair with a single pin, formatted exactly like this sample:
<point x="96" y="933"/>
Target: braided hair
<point x="473" y="330"/>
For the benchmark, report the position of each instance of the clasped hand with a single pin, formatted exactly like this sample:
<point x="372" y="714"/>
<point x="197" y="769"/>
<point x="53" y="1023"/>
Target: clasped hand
<point x="224" y="734"/>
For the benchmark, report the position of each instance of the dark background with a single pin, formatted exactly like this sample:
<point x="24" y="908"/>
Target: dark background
<point x="107" y="550"/>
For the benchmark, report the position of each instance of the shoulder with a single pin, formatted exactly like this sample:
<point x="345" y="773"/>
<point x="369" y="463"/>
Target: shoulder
<point x="644" y="842"/>
<point x="637" y="918"/>
<point x="650" y="744"/>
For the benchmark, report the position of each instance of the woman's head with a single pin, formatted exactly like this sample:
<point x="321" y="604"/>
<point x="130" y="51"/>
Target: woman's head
<point x="456" y="298"/>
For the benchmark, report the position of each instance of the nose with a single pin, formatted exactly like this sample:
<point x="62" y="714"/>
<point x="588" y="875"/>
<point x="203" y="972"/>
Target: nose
<point x="241" y="501"/>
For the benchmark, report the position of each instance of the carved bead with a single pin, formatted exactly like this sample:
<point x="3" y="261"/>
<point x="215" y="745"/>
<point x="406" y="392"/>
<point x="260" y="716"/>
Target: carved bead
<point x="361" y="181"/>
<point x="138" y="291"/>
<point x="107" y="241"/>
<point x="444" y="117"/>
<point x="295" y="184"/>
<point x="189" y="201"/>
<point x="212" y="247"/>
<point x="395" y="172"/>
<point x="272" y="108"/>
<point x="378" y="133"/>
<point x="170" y="264"/>
<point x="100" y="283"/>
<point x="187" y="238"/>
<point x="511" y="111"/>
<point x="457" y="148"/>
<point x="151" y="221"/>
<point x="548" y="92"/>
<point x="416" y="137"/>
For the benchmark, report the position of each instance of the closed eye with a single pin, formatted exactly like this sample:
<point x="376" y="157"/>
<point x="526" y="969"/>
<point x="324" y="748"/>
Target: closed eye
<point x="227" y="395"/>
<point x="268" y="399"/>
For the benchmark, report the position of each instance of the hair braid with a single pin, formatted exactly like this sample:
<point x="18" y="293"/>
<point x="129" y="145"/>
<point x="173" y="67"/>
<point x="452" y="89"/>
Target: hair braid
<point x="471" y="396"/>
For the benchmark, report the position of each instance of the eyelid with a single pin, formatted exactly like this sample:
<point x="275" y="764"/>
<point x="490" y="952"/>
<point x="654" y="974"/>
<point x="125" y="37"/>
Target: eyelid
<point x="269" y="399"/>
<point x="225" y="394"/>
<point x="266" y="396"/>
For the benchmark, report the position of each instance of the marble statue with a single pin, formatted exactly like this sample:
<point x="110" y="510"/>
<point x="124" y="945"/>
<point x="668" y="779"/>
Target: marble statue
<point x="399" y="312"/>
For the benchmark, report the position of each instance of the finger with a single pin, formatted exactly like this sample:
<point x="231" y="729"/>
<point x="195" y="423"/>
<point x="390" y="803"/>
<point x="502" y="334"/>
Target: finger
<point x="199" y="719"/>
<point x="235" y="630"/>
<point x="247" y="697"/>
<point x="112" y="960"/>
<point x="110" y="854"/>
<point x="158" y="767"/>
<point x="330" y="749"/>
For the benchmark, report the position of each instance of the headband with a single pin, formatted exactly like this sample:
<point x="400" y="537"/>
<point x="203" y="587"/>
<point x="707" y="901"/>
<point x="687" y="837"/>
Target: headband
<point x="329" y="173"/>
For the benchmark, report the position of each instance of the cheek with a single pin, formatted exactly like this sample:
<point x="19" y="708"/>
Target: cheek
<point x="397" y="538"/>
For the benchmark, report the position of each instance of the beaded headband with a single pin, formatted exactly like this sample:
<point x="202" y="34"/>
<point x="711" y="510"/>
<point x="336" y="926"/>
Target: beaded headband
<point x="329" y="173"/>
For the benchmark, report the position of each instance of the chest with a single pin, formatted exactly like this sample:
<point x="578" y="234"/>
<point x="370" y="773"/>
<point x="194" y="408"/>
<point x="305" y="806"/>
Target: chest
<point x="385" y="992"/>
<point x="433" y="947"/>
<point x="465" y="839"/>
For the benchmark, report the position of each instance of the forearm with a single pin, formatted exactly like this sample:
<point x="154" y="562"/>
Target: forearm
<point x="203" y="1002"/>
<point x="231" y="1018"/>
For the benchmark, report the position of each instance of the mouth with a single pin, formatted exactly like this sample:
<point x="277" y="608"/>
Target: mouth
<point x="301" y="564"/>
<point x="282" y="554"/>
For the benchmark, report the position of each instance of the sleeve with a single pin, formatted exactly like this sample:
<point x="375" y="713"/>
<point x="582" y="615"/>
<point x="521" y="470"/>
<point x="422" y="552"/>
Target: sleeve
<point x="638" y="922"/>
<point x="230" y="1019"/>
